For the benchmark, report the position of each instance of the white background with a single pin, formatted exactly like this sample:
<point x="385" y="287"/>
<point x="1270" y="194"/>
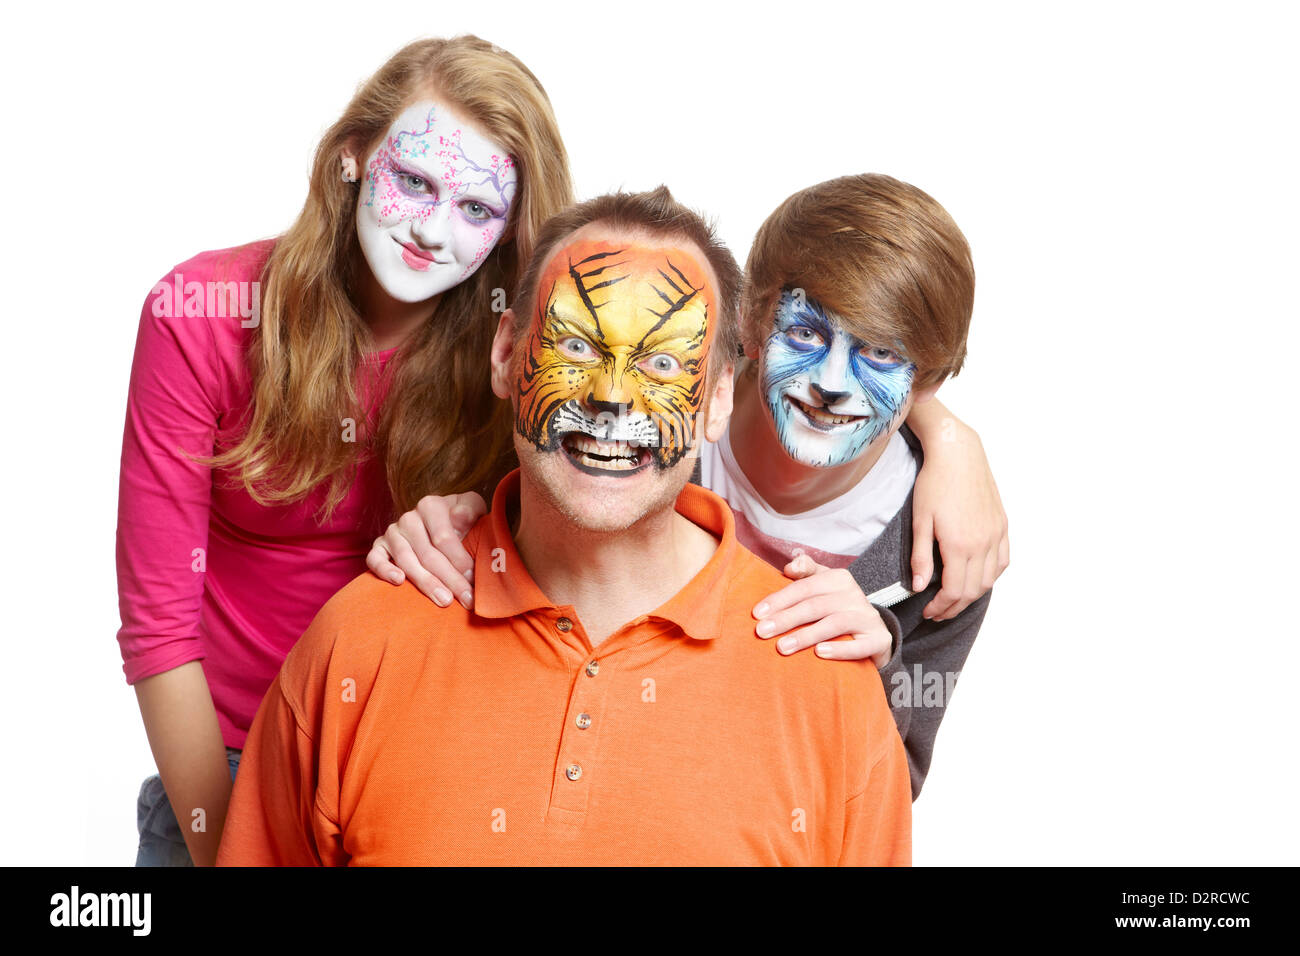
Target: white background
<point x="1126" y="176"/>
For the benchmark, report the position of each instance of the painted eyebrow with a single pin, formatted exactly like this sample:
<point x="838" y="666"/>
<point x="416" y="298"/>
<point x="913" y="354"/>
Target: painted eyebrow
<point x="566" y="321"/>
<point x="814" y="318"/>
<point x="475" y="192"/>
<point x="691" y="342"/>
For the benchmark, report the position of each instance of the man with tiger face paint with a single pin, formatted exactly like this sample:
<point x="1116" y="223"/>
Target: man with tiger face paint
<point x="612" y="372"/>
<point x="616" y="357"/>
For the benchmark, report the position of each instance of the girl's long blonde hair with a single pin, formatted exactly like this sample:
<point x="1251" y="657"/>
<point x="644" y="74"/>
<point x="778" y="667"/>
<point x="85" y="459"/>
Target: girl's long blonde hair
<point x="442" y="429"/>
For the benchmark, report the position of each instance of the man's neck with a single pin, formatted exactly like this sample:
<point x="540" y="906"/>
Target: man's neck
<point x="610" y="578"/>
<point x="787" y="486"/>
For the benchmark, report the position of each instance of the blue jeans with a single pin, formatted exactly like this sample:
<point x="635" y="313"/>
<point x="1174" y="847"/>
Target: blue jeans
<point x="161" y="841"/>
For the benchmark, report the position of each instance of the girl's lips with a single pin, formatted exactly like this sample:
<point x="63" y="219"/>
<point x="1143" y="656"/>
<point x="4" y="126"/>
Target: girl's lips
<point x="417" y="258"/>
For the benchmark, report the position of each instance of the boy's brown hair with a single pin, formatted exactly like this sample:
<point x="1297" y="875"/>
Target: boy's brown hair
<point x="882" y="255"/>
<point x="657" y="214"/>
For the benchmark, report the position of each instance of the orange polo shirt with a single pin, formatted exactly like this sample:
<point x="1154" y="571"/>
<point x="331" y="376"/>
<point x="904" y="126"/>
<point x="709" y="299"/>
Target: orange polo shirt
<point x="402" y="733"/>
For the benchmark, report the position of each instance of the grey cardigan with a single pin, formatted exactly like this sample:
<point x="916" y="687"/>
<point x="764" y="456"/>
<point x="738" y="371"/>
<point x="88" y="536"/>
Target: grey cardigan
<point x="927" y="656"/>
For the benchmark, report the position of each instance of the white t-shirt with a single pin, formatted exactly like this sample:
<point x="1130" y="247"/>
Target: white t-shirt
<point x="842" y="529"/>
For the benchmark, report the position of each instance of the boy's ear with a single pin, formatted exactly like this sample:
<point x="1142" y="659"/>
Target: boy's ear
<point x="503" y="351"/>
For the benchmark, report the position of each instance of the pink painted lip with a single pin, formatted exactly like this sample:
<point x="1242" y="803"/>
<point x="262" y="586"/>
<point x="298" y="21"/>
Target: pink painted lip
<point x="417" y="258"/>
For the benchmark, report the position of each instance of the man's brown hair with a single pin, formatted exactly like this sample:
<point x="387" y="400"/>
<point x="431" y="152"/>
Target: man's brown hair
<point x="882" y="255"/>
<point x="658" y="215"/>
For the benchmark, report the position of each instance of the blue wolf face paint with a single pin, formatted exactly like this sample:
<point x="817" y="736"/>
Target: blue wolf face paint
<point x="831" y="394"/>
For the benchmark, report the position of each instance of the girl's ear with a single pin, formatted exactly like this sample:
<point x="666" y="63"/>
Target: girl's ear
<point x="349" y="164"/>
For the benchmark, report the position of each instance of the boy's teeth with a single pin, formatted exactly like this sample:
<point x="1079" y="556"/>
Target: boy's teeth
<point x="821" y="415"/>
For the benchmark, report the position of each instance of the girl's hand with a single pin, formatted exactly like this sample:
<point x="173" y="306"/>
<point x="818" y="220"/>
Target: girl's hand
<point x="821" y="604"/>
<point x="424" y="545"/>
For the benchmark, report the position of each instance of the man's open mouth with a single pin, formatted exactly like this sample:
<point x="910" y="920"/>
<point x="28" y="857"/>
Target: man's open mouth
<point x="819" y="418"/>
<point x="597" y="457"/>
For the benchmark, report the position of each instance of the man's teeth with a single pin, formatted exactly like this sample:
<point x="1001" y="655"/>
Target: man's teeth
<point x="613" y="455"/>
<point x="825" y="417"/>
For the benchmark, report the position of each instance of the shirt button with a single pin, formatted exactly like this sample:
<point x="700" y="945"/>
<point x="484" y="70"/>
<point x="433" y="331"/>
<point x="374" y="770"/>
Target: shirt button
<point x="593" y="668"/>
<point x="564" y="624"/>
<point x="584" y="721"/>
<point x="573" y="771"/>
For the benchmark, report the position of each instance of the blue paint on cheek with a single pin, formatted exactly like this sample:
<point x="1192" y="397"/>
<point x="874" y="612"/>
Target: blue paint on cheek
<point x="886" y="390"/>
<point x="783" y="364"/>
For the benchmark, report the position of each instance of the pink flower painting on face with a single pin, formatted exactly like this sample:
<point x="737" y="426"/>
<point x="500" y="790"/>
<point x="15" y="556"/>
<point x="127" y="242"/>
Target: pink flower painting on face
<point x="434" y="201"/>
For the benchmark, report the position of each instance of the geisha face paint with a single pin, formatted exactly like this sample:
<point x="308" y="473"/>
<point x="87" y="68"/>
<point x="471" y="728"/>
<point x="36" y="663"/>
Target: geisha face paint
<point x="830" y="394"/>
<point x="434" y="199"/>
<point x="614" y="372"/>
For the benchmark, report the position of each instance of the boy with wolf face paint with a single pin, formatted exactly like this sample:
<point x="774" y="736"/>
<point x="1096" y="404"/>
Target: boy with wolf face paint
<point x="858" y="297"/>
<point x="830" y="393"/>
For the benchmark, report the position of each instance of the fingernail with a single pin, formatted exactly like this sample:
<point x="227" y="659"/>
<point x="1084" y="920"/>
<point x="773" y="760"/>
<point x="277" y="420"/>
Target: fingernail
<point x="765" y="629"/>
<point x="761" y="610"/>
<point x="442" y="596"/>
<point x="469" y="575"/>
<point x="396" y="577"/>
<point x="785" y="645"/>
<point x="918" y="583"/>
<point x="466" y="598"/>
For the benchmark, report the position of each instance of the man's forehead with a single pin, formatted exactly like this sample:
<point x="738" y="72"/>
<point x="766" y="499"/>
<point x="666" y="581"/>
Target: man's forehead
<point x="599" y="271"/>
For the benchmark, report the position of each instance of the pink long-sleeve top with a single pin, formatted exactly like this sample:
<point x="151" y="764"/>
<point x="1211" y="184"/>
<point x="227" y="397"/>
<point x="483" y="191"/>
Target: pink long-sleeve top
<point x="204" y="571"/>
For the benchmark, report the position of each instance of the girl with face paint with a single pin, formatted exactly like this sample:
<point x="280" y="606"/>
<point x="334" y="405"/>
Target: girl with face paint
<point x="287" y="396"/>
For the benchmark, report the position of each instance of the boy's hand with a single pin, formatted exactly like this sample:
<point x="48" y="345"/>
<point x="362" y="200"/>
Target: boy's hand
<point x="424" y="545"/>
<point x="821" y="604"/>
<point x="956" y="501"/>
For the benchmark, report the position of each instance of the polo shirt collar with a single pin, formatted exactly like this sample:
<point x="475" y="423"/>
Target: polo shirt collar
<point x="510" y="591"/>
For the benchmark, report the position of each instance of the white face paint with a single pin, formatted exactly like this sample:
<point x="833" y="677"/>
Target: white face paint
<point x="434" y="199"/>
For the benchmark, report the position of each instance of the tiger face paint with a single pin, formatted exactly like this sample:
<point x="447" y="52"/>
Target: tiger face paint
<point x="614" y="372"/>
<point x="830" y="394"/>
